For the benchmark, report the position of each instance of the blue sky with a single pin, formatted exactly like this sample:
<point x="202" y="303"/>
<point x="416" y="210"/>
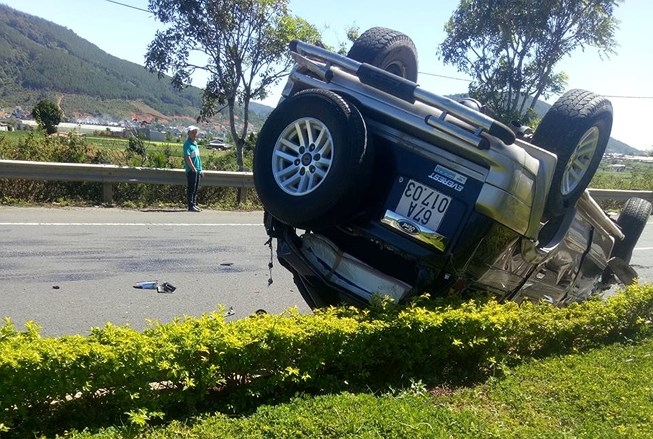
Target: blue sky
<point x="125" y="33"/>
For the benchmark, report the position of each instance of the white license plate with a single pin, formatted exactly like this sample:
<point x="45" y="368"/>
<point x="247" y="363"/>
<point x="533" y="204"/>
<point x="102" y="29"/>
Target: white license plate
<point x="423" y="205"/>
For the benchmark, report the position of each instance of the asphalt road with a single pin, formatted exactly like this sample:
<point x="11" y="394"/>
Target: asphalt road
<point x="642" y="260"/>
<point x="71" y="269"/>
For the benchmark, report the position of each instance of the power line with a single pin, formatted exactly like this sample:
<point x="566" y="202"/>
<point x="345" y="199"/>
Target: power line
<point x="629" y="97"/>
<point x="127" y="6"/>
<point x="421" y="73"/>
<point x="446" y="77"/>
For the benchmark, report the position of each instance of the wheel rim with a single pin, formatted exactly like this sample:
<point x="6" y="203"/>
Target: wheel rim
<point x="580" y="160"/>
<point x="302" y="156"/>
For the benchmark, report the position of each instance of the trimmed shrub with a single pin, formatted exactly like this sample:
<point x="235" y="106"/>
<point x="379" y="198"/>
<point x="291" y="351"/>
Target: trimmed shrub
<point x="194" y="364"/>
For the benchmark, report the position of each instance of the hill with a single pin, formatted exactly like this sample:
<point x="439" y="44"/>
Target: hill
<point x="40" y="59"/>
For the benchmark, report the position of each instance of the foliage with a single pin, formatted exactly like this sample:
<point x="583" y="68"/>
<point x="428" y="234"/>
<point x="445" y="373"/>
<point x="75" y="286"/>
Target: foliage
<point x="47" y="115"/>
<point x="136" y="146"/>
<point x="636" y="176"/>
<point x="244" y="41"/>
<point x="202" y="364"/>
<point x="510" y="47"/>
<point x="599" y="394"/>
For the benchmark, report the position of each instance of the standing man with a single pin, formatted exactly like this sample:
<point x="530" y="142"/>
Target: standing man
<point x="193" y="164"/>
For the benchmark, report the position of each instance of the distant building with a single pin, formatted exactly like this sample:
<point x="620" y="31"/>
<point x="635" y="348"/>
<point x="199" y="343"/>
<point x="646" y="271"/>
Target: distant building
<point x="150" y="134"/>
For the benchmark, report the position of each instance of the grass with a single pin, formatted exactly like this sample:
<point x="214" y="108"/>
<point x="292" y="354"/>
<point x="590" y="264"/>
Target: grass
<point x="605" y="393"/>
<point x="120" y="144"/>
<point x="114" y="143"/>
<point x="636" y="177"/>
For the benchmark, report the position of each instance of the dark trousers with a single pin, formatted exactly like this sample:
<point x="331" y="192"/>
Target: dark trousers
<point x="193" y="180"/>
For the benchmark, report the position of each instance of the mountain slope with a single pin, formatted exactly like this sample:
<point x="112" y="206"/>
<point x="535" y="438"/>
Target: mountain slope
<point x="38" y="58"/>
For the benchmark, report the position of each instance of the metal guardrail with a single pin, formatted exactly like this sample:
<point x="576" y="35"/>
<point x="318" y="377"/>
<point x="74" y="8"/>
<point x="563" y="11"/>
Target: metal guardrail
<point x="613" y="194"/>
<point x="112" y="174"/>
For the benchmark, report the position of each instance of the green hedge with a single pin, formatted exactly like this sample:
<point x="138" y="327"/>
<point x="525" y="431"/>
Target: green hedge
<point x="193" y="364"/>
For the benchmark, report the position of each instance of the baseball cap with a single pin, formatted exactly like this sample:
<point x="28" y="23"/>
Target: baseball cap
<point x="192" y="128"/>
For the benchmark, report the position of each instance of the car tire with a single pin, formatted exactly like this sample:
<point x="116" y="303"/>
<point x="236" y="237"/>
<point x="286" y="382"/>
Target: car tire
<point x="312" y="162"/>
<point x="632" y="221"/>
<point x="386" y="49"/>
<point x="576" y="129"/>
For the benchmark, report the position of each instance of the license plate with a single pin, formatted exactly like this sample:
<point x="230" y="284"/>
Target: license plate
<point x="423" y="205"/>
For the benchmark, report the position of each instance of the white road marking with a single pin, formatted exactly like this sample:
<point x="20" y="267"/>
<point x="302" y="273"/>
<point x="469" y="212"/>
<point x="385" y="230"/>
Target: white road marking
<point x="134" y="224"/>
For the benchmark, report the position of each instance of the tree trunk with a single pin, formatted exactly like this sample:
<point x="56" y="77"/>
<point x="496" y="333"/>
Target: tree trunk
<point x="242" y="192"/>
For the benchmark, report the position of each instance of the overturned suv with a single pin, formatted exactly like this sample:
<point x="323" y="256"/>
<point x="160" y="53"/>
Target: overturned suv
<point x="372" y="185"/>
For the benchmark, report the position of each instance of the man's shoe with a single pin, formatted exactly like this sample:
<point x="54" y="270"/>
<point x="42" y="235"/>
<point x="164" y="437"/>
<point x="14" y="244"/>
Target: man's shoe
<point x="194" y="209"/>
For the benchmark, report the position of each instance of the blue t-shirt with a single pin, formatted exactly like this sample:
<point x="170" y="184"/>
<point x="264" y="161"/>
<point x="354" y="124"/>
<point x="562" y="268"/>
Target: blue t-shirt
<point x="193" y="151"/>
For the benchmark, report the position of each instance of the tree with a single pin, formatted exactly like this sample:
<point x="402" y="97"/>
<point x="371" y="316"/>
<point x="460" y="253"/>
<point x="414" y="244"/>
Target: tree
<point x="47" y="115"/>
<point x="510" y="47"/>
<point x="241" y="44"/>
<point x="136" y="146"/>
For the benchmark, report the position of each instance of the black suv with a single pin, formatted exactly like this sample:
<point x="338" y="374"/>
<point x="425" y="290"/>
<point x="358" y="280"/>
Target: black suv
<point x="372" y="185"/>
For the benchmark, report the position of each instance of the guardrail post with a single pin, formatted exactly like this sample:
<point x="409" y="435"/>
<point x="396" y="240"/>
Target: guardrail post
<point x="107" y="193"/>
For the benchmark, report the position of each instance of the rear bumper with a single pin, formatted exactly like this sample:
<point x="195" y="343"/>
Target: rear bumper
<point x="331" y="276"/>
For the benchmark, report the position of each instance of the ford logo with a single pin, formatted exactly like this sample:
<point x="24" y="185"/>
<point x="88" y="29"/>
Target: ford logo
<point x="408" y="227"/>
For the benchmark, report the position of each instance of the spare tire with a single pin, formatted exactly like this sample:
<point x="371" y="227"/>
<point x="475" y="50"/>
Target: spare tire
<point x="386" y="49"/>
<point x="632" y="221"/>
<point x="312" y="162"/>
<point x="576" y="129"/>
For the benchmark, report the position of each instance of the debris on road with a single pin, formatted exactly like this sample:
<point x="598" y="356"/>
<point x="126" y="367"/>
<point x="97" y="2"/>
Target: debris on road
<point x="147" y="285"/>
<point x="165" y="287"/>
